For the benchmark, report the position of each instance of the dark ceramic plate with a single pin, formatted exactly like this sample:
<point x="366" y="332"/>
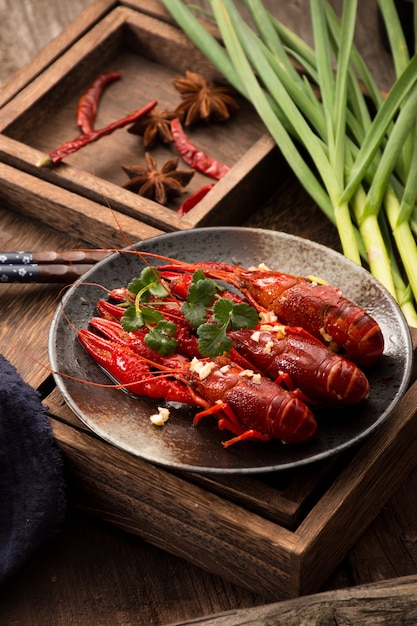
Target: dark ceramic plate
<point x="124" y="421"/>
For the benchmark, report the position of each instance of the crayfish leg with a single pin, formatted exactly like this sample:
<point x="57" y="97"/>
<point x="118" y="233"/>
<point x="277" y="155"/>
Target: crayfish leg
<point x="227" y="420"/>
<point x="230" y="422"/>
<point x="285" y="379"/>
<point x="248" y="434"/>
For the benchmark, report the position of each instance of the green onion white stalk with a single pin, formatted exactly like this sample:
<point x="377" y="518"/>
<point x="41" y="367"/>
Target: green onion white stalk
<point x="359" y="169"/>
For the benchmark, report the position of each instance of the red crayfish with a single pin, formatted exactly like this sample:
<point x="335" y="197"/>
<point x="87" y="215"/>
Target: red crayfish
<point x="290" y="353"/>
<point x="247" y="404"/>
<point x="321" y="309"/>
<point x="262" y="388"/>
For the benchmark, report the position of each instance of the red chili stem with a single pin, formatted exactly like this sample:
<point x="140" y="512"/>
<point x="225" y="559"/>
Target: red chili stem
<point x="194" y="199"/>
<point x="82" y="140"/>
<point x="88" y="103"/>
<point x="195" y="157"/>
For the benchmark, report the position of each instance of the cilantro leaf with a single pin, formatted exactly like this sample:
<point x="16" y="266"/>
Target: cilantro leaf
<point x="222" y="311"/>
<point x="195" y="314"/>
<point x="212" y="340"/>
<point x="244" y="316"/>
<point x="132" y="319"/>
<point x="200" y="295"/>
<point x="212" y="336"/>
<point x="238" y="315"/>
<point x="201" y="291"/>
<point x="151" y="315"/>
<point x="161" y="338"/>
<point x="137" y="287"/>
<point x="149" y="282"/>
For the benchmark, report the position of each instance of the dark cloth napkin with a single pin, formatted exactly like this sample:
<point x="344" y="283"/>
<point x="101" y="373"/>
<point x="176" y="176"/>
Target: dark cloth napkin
<point x="32" y="487"/>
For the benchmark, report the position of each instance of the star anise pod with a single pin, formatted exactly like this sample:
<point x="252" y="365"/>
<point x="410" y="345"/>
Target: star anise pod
<point x="159" y="185"/>
<point x="202" y="100"/>
<point x="154" y="126"/>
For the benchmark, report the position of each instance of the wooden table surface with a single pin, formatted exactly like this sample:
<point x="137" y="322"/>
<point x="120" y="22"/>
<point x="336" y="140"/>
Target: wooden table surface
<point x="93" y="573"/>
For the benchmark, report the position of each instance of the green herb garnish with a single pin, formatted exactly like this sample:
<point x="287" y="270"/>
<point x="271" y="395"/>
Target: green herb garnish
<point x="200" y="296"/>
<point x="160" y="335"/>
<point x="147" y="284"/>
<point x="213" y="340"/>
<point x="161" y="338"/>
<point x="136" y="317"/>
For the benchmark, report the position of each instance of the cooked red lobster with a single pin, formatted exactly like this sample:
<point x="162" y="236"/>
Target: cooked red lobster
<point x="247" y="404"/>
<point x="319" y="308"/>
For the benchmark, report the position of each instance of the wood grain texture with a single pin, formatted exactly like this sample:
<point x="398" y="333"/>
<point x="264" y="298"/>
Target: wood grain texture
<point x="93" y="572"/>
<point x="26" y="27"/>
<point x="385" y="603"/>
<point x="290" y="559"/>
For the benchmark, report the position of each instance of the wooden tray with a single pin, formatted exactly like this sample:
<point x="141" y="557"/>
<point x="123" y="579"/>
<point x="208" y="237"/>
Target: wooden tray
<point x="280" y="535"/>
<point x="149" y="53"/>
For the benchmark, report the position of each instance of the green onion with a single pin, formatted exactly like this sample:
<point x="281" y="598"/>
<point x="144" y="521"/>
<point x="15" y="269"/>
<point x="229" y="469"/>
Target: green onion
<point x="357" y="166"/>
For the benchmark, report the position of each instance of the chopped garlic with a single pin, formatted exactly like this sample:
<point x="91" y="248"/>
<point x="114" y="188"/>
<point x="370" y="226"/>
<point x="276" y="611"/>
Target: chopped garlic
<point x="225" y="369"/>
<point x="268" y="347"/>
<point x="256" y="335"/>
<point x="325" y="335"/>
<point x="279" y="330"/>
<point x="202" y="368"/>
<point x="267" y="317"/>
<point x="256" y="378"/>
<point x="161" y="417"/>
<point x="248" y="373"/>
<point x="261" y="267"/>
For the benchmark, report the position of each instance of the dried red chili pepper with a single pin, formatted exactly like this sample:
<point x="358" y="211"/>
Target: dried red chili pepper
<point x="82" y="140"/>
<point x="195" y="157"/>
<point x="194" y="199"/>
<point x="88" y="103"/>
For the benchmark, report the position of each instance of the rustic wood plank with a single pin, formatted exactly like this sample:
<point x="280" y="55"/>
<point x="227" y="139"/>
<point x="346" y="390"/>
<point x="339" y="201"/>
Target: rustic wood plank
<point x="387" y="603"/>
<point x="104" y="193"/>
<point x="281" y="498"/>
<point x="90" y="46"/>
<point x="93" y="573"/>
<point x="69" y="212"/>
<point x="31" y="50"/>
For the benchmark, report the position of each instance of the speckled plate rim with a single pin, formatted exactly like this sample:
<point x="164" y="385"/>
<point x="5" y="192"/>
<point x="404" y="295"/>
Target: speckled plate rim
<point x="199" y="449"/>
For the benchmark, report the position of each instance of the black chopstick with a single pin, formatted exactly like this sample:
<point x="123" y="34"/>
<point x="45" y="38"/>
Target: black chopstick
<point x="34" y="273"/>
<point x="51" y="256"/>
<point x="48" y="266"/>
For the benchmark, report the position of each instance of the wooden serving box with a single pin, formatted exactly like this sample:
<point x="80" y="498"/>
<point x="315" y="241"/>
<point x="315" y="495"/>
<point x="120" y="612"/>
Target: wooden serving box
<point x="279" y="535"/>
<point x="38" y="114"/>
